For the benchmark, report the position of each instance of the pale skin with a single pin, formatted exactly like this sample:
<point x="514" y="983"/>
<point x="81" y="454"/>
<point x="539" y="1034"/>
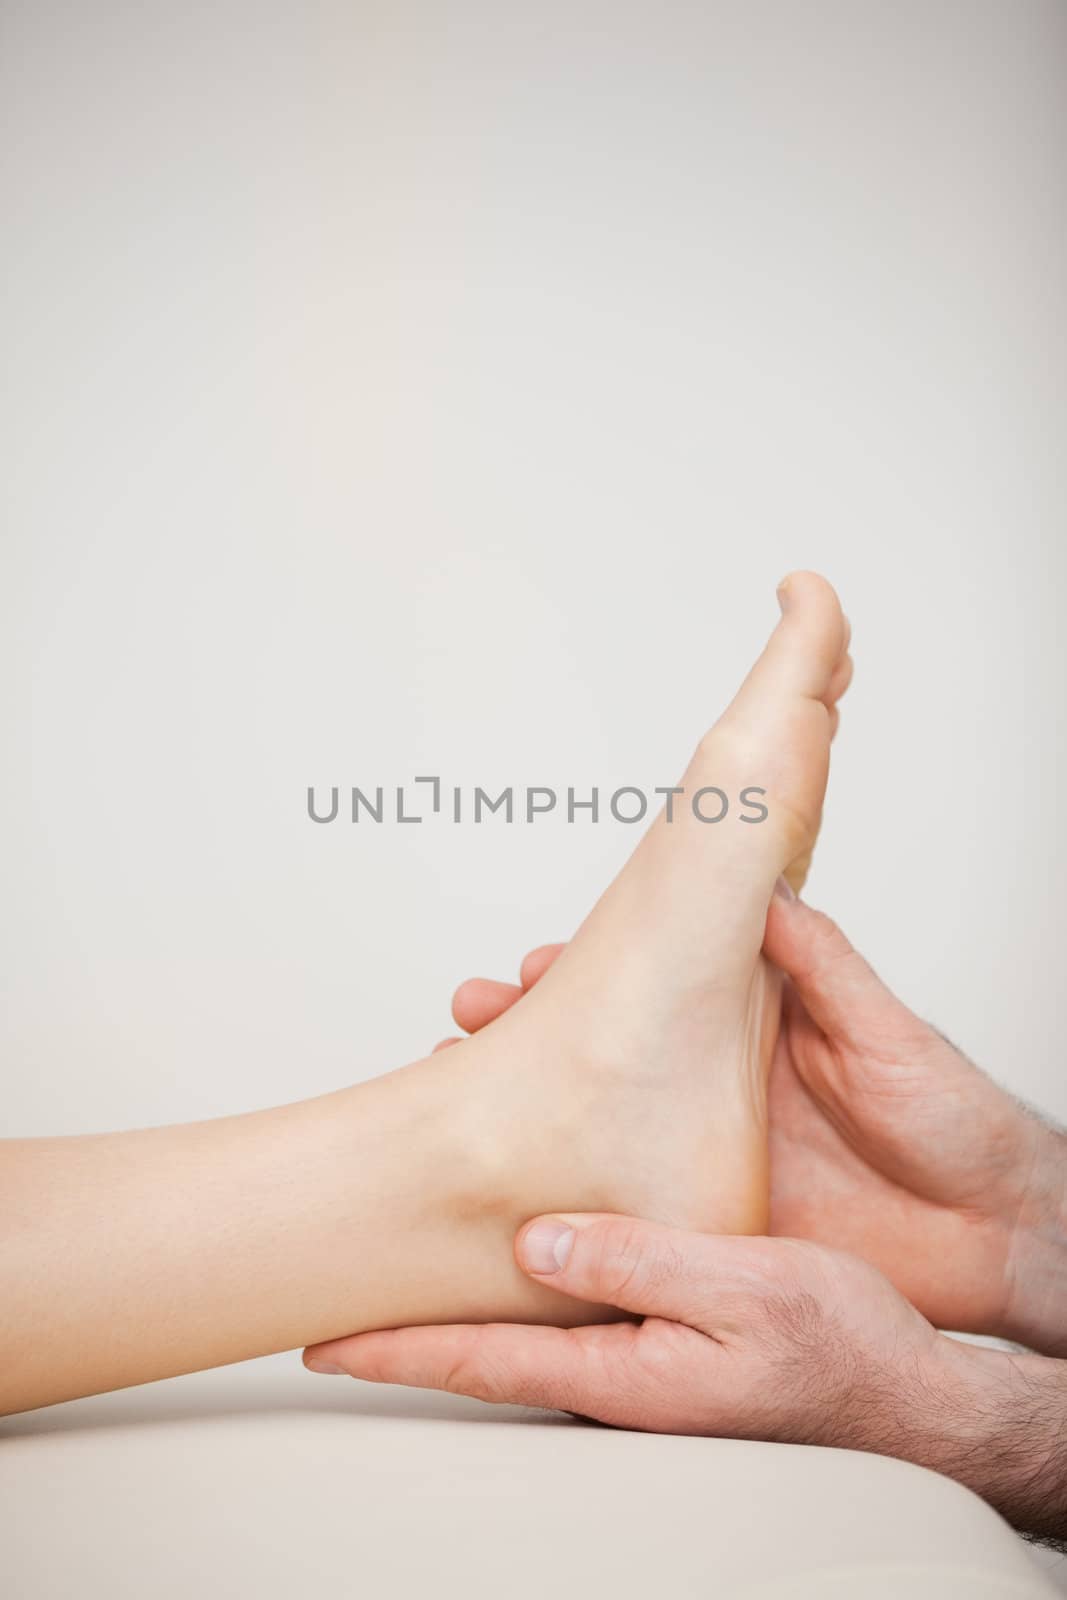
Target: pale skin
<point x="885" y="1141"/>
<point x="632" y="1079"/>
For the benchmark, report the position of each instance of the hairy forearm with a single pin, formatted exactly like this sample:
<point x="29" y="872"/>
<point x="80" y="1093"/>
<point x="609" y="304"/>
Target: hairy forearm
<point x="132" y="1256"/>
<point x="1012" y="1446"/>
<point x="994" y="1421"/>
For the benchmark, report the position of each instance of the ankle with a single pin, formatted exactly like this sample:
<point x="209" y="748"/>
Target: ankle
<point x="485" y="1131"/>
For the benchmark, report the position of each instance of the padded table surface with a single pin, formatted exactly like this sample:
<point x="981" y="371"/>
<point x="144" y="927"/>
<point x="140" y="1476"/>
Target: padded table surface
<point x="266" y="1481"/>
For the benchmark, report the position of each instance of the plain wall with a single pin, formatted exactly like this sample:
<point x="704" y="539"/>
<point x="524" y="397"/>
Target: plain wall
<point x="416" y="388"/>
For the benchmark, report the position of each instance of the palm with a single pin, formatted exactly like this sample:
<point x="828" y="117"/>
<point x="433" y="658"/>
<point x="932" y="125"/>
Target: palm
<point x="870" y="1154"/>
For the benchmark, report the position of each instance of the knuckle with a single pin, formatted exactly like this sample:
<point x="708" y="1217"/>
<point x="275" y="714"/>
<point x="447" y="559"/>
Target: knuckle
<point x="477" y="1372"/>
<point x="630" y="1263"/>
<point x="762" y="1267"/>
<point x="828" y="950"/>
<point x="828" y="943"/>
<point x="646" y="1373"/>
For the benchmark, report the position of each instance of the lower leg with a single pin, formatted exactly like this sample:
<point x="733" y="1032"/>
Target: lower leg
<point x="133" y="1256"/>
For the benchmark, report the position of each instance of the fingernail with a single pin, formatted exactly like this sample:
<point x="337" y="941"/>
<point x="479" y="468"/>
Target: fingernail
<point x="782" y="592"/>
<point x="325" y="1366"/>
<point x="546" y="1247"/>
<point x="784" y="888"/>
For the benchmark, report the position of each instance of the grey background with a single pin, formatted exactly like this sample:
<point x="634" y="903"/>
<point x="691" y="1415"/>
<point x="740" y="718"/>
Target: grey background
<point x="416" y="388"/>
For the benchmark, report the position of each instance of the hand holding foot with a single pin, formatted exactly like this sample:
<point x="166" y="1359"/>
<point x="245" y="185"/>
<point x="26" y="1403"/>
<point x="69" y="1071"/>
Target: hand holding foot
<point x="887" y="1142"/>
<point x="755" y="1339"/>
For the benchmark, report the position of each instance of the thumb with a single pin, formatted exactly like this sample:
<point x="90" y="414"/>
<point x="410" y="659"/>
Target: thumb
<point x="640" y="1267"/>
<point x="841" y="992"/>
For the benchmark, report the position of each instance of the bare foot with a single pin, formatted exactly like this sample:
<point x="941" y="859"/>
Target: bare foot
<point x="633" y="1076"/>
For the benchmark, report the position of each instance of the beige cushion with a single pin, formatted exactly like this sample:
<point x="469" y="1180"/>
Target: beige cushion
<point x="265" y="1481"/>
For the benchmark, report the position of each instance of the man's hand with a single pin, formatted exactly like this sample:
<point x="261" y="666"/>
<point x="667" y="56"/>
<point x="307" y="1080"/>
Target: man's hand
<point x="771" y="1339"/>
<point x="887" y="1142"/>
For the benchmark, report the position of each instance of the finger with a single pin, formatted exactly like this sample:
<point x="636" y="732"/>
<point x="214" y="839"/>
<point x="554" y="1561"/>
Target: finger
<point x="446" y="1044"/>
<point x="563" y="1369"/>
<point x="841" y="993"/>
<point x="705" y="1281"/>
<point x="480" y="1001"/>
<point x="537" y="963"/>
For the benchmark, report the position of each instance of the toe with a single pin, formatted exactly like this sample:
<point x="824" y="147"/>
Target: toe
<point x="805" y="648"/>
<point x="840" y="679"/>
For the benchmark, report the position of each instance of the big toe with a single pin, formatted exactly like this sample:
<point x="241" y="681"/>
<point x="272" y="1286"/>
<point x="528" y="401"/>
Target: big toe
<point x="776" y="732"/>
<point x="807" y="654"/>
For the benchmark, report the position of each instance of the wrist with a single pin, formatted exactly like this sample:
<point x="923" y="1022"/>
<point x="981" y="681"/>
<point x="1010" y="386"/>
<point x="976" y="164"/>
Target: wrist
<point x="991" y="1420"/>
<point x="1036" y="1300"/>
<point x="1003" y="1436"/>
